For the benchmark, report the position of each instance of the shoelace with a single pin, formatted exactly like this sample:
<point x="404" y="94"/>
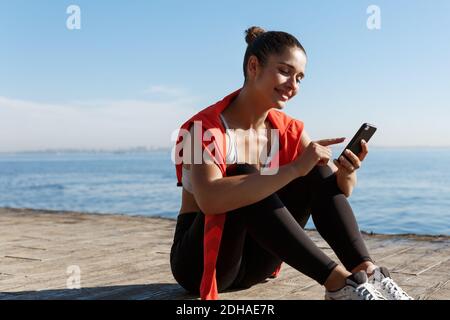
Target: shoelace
<point x="368" y="292"/>
<point x="393" y="288"/>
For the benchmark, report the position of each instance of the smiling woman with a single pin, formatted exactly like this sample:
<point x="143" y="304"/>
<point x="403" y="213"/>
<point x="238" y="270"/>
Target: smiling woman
<point x="237" y="223"/>
<point x="282" y="60"/>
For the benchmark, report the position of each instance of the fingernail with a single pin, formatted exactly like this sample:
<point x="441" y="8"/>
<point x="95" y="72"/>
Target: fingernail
<point x="347" y="151"/>
<point x="363" y="141"/>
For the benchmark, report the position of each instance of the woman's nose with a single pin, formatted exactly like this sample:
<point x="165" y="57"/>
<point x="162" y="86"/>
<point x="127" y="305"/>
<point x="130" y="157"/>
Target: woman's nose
<point x="293" y="84"/>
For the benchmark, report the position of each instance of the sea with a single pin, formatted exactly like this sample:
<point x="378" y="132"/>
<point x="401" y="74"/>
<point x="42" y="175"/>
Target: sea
<point x="399" y="190"/>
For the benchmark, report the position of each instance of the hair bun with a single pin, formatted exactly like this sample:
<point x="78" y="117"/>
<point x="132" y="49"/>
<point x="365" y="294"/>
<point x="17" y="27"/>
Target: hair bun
<point x="252" y="33"/>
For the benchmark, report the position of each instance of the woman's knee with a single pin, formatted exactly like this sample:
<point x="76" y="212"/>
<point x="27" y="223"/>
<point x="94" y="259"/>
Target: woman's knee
<point x="320" y="172"/>
<point x="267" y="204"/>
<point x="322" y="177"/>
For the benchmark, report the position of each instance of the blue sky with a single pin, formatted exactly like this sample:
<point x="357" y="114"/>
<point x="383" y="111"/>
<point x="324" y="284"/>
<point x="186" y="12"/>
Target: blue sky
<point x="137" y="69"/>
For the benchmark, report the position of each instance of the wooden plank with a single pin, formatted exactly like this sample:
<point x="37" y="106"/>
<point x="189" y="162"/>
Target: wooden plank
<point x="123" y="257"/>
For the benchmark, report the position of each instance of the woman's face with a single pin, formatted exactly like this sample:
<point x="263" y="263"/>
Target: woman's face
<point x="279" y="79"/>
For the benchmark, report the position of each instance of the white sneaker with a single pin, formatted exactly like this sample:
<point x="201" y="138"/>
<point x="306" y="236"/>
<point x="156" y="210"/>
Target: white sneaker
<point x="357" y="288"/>
<point x="383" y="282"/>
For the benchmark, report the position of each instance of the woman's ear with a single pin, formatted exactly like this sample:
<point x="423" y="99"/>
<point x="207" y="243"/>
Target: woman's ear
<point x="253" y="67"/>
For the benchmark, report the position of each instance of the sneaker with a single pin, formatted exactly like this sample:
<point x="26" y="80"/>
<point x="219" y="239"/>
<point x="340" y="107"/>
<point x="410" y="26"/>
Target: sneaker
<point x="383" y="282"/>
<point x="357" y="288"/>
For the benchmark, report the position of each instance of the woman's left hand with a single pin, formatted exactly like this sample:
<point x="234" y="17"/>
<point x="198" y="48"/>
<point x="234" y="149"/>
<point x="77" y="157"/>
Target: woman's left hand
<point x="349" y="167"/>
<point x="346" y="175"/>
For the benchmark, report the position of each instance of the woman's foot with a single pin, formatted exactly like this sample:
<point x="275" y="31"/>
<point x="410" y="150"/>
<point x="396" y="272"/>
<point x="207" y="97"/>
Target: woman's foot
<point x="357" y="287"/>
<point x="383" y="282"/>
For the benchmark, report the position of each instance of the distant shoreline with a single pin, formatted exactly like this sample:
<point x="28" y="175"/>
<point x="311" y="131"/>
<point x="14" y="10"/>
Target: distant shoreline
<point x="410" y="236"/>
<point x="169" y="149"/>
<point x="84" y="151"/>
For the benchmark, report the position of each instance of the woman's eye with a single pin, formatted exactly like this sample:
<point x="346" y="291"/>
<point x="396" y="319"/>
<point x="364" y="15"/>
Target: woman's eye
<point x="287" y="73"/>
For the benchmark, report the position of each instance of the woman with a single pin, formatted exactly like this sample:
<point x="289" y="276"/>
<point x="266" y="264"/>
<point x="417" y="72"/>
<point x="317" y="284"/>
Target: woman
<point x="237" y="222"/>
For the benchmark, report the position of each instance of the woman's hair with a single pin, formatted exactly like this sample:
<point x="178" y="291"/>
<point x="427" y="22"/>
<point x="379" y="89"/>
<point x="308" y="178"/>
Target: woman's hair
<point x="263" y="43"/>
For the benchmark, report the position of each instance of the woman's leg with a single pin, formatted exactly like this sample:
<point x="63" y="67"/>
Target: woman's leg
<point x="257" y="263"/>
<point x="267" y="230"/>
<point x="186" y="254"/>
<point x="332" y="215"/>
<point x="273" y="235"/>
<point x="316" y="193"/>
<point x="187" y="249"/>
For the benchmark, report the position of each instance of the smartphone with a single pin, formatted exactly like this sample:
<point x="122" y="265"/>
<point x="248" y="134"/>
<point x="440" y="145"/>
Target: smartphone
<point x="364" y="133"/>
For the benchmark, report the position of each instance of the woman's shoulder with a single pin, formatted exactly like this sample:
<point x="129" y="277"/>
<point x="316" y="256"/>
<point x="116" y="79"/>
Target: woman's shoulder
<point x="285" y="122"/>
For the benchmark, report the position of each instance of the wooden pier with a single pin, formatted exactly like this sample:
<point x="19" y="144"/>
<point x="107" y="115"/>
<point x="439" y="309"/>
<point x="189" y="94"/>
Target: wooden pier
<point x="71" y="255"/>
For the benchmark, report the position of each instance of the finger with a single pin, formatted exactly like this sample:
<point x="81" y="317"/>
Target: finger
<point x="353" y="158"/>
<point x="324" y="158"/>
<point x="337" y="164"/>
<point x="321" y="151"/>
<point x="323" y="161"/>
<point x="328" y="142"/>
<point x="325" y="151"/>
<point x="346" y="164"/>
<point x="365" y="150"/>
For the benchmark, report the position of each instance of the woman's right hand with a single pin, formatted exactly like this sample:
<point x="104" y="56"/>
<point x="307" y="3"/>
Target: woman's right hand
<point x="316" y="153"/>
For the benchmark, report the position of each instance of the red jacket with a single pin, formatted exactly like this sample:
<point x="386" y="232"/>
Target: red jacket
<point x="290" y="131"/>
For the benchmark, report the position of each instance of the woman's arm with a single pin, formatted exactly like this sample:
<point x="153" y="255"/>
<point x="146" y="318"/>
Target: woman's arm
<point x="346" y="173"/>
<point x="306" y="140"/>
<point x="346" y="179"/>
<point x="217" y="194"/>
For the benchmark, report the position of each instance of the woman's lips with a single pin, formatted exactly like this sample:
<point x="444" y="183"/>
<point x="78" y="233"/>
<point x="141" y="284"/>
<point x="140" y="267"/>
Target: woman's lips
<point x="284" y="96"/>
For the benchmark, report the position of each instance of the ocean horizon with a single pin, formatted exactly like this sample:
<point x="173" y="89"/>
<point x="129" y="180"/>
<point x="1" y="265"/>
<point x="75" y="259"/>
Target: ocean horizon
<point x="400" y="190"/>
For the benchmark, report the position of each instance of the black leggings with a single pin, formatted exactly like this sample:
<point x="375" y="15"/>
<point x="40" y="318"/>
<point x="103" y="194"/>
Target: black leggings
<point x="258" y="237"/>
